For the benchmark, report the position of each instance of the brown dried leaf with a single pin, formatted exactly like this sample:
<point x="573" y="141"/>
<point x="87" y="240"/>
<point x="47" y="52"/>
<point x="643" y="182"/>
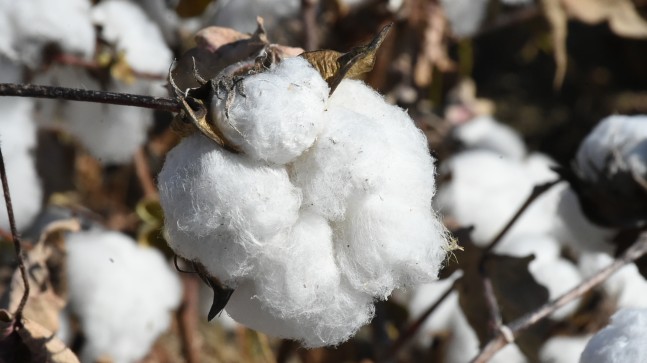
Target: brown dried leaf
<point x="622" y="16"/>
<point x="46" y="274"/>
<point x="515" y="289"/>
<point x="334" y="66"/>
<point x="191" y="8"/>
<point x="213" y="37"/>
<point x="30" y="343"/>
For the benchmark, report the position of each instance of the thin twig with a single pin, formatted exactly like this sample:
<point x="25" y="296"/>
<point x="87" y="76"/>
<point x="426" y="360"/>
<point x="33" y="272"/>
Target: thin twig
<point x="309" y="19"/>
<point x="16" y="242"/>
<point x="143" y="171"/>
<point x="416" y="325"/>
<point x="77" y="94"/>
<point x="187" y="317"/>
<point x="637" y="250"/>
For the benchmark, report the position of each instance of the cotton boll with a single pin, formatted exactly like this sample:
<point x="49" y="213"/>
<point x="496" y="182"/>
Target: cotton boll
<point x="626" y="287"/>
<point x="17" y="139"/>
<point x="464" y="344"/>
<point x="539" y="166"/>
<point x="127" y="26"/>
<point x="465" y="16"/>
<point x="426" y="295"/>
<point x="280" y="114"/>
<point x="241" y="14"/>
<point x="622" y="341"/>
<point x="544" y="247"/>
<point x="615" y="134"/>
<point x="31" y="25"/>
<point x="123" y="294"/>
<point x="563" y="349"/>
<point x="486" y="133"/>
<point x="486" y="191"/>
<point x="221" y="207"/>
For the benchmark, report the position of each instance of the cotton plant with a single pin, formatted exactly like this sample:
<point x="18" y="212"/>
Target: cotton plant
<point x="122" y="294"/>
<point x="316" y="205"/>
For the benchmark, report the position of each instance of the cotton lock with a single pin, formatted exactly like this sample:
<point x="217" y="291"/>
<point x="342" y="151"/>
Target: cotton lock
<point x="326" y="208"/>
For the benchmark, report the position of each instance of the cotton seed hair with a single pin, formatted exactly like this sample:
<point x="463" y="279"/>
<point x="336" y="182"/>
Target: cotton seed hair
<point x="327" y="207"/>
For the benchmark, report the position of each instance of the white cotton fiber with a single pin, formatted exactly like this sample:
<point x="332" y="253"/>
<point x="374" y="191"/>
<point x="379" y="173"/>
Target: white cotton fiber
<point x="111" y="133"/>
<point x="487" y="134"/>
<point x="626" y="287"/>
<point x="221" y="208"/>
<point x="327" y="208"/>
<point x="123" y="294"/>
<point x="622" y="341"/>
<point x="613" y="141"/>
<point x="465" y="16"/>
<point x="563" y="349"/>
<point x="558" y="276"/>
<point x="27" y="26"/>
<point x="486" y="190"/>
<point x="126" y="25"/>
<point x="280" y="113"/>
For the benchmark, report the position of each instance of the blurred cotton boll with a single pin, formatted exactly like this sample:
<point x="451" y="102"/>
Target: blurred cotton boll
<point x="26" y="27"/>
<point x="622" y="341"/>
<point x="610" y="172"/>
<point x="327" y="208"/>
<point x="485" y="133"/>
<point x="625" y="288"/>
<point x="122" y="294"/>
<point x="563" y="349"/>
<point x="465" y="16"/>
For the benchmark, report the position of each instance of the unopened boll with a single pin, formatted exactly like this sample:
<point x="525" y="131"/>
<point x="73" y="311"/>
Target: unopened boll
<point x="327" y="207"/>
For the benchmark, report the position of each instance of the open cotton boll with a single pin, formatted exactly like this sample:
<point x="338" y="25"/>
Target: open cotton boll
<point x="126" y="25"/>
<point x="280" y="114"/>
<point x="558" y="276"/>
<point x="465" y="16"/>
<point x="463" y="345"/>
<point x="622" y="341"/>
<point x="486" y="133"/>
<point x="30" y="25"/>
<point x="545" y="248"/>
<point x="615" y="135"/>
<point x="563" y="349"/>
<point x="221" y="207"/>
<point x="123" y="294"/>
<point x="486" y="191"/>
<point x="626" y="287"/>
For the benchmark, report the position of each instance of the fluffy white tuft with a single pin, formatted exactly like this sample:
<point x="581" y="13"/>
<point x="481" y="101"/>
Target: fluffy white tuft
<point x="123" y="294"/>
<point x="26" y="27"/>
<point x="127" y="26"/>
<point x="622" y="341"/>
<point x="280" y="114"/>
<point x="486" y="133"/>
<point x="328" y="209"/>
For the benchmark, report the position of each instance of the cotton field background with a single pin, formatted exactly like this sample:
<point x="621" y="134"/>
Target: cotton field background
<point x="338" y="181"/>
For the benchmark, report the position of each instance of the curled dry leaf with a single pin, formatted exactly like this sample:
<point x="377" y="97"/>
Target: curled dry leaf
<point x="30" y="343"/>
<point x="622" y="16"/>
<point x="46" y="272"/>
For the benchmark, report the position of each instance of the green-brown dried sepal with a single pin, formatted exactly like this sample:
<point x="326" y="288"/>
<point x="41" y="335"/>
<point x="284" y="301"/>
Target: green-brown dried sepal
<point x="335" y="66"/>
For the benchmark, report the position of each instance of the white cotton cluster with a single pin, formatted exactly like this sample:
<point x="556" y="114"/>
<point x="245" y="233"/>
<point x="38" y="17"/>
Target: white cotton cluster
<point x="486" y="133"/>
<point x="618" y="143"/>
<point x="28" y="26"/>
<point x="328" y="208"/>
<point x="111" y="133"/>
<point x="241" y="14"/>
<point x="465" y="16"/>
<point x="625" y="287"/>
<point x="622" y="341"/>
<point x="127" y="26"/>
<point x="123" y="294"/>
<point x="18" y="140"/>
<point x="563" y="349"/>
